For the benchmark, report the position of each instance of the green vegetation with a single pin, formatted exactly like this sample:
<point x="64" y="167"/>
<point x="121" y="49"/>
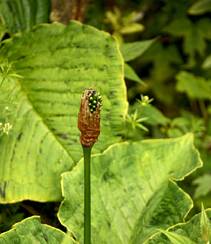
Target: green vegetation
<point x="151" y="166"/>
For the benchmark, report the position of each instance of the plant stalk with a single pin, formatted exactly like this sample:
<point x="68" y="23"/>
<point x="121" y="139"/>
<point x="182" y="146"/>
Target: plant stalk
<point x="203" y="111"/>
<point x="87" y="195"/>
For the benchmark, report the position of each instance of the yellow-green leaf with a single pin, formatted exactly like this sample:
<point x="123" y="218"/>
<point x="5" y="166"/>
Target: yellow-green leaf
<point x="31" y="230"/>
<point x="133" y="194"/>
<point x="56" y="63"/>
<point x="189" y="232"/>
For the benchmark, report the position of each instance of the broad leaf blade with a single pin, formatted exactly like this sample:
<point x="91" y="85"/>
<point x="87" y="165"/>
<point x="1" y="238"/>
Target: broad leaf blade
<point x="56" y="64"/>
<point x="31" y="230"/>
<point x="190" y="230"/>
<point x="132" y="196"/>
<point x="176" y="238"/>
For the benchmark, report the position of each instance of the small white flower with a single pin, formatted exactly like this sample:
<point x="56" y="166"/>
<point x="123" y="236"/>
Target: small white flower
<point x="6" y="128"/>
<point x="145" y="100"/>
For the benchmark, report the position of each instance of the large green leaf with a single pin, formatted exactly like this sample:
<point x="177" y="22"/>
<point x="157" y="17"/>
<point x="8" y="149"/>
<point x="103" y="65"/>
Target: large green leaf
<point x="132" y="190"/>
<point x="56" y="63"/>
<point x="19" y="15"/>
<point x="31" y="230"/>
<point x="193" y="230"/>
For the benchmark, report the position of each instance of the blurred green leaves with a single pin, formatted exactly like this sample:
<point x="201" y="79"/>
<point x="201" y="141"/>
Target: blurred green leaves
<point x="194" y="86"/>
<point x="20" y="15"/>
<point x="131" y="74"/>
<point x="203" y="184"/>
<point x="123" y="24"/>
<point x="126" y="25"/>
<point x="154" y="115"/>
<point x="207" y="62"/>
<point x="132" y="50"/>
<point x="194" y="36"/>
<point x="200" y="7"/>
<point x="186" y="123"/>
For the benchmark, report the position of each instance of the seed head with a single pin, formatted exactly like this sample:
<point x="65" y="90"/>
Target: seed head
<point x="89" y="117"/>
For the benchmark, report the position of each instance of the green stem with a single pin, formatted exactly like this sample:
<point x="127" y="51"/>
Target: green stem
<point x="87" y="195"/>
<point x="203" y="110"/>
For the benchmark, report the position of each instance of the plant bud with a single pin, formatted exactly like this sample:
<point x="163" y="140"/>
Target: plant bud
<point x="89" y="117"/>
